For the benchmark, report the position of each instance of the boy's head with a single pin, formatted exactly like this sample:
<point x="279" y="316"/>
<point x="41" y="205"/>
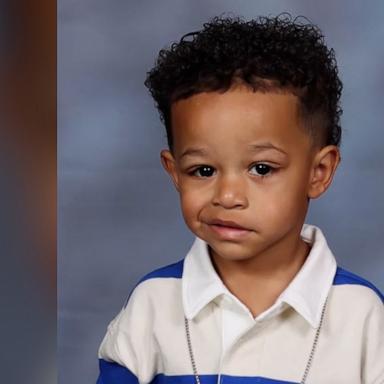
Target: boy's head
<point x="251" y="111"/>
<point x="266" y="54"/>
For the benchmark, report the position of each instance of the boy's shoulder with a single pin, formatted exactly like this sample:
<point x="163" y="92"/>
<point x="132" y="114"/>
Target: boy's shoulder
<point x="174" y="270"/>
<point x="343" y="277"/>
<point x="355" y="287"/>
<point x="163" y="284"/>
<point x="158" y="281"/>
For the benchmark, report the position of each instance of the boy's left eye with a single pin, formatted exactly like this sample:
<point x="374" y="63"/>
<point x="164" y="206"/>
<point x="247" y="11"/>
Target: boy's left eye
<point x="261" y="169"/>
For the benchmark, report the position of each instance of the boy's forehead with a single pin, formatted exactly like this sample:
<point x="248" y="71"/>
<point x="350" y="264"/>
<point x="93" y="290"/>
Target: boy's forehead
<point x="235" y="104"/>
<point x="245" y="117"/>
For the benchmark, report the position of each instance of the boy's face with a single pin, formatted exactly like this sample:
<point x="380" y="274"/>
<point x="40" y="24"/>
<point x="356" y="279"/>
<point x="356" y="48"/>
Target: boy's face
<point x="241" y="159"/>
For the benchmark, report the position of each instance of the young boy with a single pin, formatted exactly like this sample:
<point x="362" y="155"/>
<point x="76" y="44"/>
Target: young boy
<point x="252" y="113"/>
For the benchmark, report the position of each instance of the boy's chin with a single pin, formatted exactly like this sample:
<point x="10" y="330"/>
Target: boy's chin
<point x="231" y="251"/>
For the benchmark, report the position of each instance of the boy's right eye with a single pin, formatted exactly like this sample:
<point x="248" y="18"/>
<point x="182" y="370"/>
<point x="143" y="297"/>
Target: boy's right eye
<point x="203" y="171"/>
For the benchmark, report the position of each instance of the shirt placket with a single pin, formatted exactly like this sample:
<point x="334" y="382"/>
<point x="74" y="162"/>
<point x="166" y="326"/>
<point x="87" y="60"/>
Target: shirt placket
<point x="235" y="324"/>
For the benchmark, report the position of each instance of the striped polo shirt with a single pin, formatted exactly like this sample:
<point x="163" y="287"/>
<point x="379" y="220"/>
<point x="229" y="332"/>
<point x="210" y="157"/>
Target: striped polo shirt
<point x="146" y="342"/>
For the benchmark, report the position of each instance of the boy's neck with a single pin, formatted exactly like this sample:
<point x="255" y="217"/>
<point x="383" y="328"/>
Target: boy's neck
<point x="263" y="278"/>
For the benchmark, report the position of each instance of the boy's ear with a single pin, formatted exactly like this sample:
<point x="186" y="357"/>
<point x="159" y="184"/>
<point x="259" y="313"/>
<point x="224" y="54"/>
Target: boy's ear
<point x="324" y="166"/>
<point x="168" y="162"/>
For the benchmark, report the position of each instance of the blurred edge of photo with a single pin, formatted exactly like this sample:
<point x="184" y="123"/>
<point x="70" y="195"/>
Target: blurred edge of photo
<point x="28" y="190"/>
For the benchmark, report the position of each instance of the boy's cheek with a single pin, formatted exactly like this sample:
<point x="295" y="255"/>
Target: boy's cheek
<point x="191" y="204"/>
<point x="281" y="204"/>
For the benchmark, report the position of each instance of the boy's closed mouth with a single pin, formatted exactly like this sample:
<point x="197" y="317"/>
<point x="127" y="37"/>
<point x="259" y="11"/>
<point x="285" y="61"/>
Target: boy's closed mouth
<point x="226" y="223"/>
<point x="228" y="229"/>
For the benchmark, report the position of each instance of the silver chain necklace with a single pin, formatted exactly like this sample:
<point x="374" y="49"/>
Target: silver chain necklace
<point x="309" y="362"/>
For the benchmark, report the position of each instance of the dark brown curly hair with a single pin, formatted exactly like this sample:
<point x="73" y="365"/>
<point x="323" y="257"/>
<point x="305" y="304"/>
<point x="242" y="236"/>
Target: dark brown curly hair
<point x="267" y="54"/>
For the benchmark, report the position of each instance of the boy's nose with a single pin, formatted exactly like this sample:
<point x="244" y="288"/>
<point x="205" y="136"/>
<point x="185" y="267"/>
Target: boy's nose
<point x="230" y="192"/>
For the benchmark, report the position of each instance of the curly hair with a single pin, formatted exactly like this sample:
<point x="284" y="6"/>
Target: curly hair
<point x="267" y="54"/>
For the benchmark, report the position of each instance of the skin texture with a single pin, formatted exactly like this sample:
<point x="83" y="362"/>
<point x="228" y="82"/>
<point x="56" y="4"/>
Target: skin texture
<point x="244" y="157"/>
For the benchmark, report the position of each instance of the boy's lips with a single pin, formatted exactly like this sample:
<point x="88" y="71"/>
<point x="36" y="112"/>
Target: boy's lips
<point x="226" y="223"/>
<point x="228" y="229"/>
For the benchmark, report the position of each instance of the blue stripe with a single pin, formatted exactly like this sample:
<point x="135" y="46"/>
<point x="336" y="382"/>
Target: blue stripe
<point x="183" y="379"/>
<point x="345" y="277"/>
<point x="113" y="373"/>
<point x="174" y="270"/>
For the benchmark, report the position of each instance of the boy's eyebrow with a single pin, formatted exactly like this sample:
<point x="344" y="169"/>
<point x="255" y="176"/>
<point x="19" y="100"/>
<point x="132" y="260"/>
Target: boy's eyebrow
<point x="252" y="147"/>
<point x="194" y="152"/>
<point x="263" y="146"/>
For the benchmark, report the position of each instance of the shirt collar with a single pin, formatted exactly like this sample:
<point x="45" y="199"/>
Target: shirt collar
<point x="200" y="282"/>
<point x="306" y="293"/>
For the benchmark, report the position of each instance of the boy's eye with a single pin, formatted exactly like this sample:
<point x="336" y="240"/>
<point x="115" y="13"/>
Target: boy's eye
<point x="261" y="169"/>
<point x="203" y="171"/>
